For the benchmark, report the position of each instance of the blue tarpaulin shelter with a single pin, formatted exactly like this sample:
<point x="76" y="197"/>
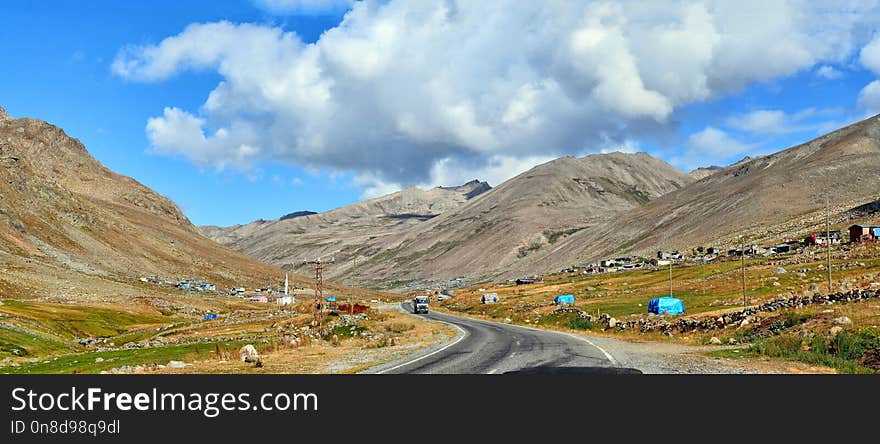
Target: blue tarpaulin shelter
<point x="667" y="305"/>
<point x="210" y="316"/>
<point x="564" y="299"/>
<point x="330" y="299"/>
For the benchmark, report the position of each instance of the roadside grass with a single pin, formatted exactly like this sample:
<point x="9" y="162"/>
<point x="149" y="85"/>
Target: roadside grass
<point x="566" y="321"/>
<point x="77" y="321"/>
<point x="855" y="352"/>
<point x="85" y="362"/>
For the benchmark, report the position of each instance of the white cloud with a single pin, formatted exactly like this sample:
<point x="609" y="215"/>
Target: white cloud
<point x="761" y="121"/>
<point x="400" y="88"/>
<point x="309" y="7"/>
<point x="715" y="141"/>
<point x="710" y="146"/>
<point x="774" y="121"/>
<point x="828" y="72"/>
<point x="870" y="55"/>
<point x="869" y="98"/>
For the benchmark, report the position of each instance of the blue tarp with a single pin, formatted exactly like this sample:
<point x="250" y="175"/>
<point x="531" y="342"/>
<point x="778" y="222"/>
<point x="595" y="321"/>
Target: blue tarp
<point x="668" y="305"/>
<point x="876" y="232"/>
<point x="330" y="299"/>
<point x="210" y="316"/>
<point x="564" y="299"/>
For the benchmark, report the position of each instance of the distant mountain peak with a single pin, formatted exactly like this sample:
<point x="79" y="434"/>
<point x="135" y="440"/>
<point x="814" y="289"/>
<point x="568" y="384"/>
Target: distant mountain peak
<point x="702" y="172"/>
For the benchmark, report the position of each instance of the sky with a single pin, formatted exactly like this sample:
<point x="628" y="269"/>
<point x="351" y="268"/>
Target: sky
<point x="250" y="109"/>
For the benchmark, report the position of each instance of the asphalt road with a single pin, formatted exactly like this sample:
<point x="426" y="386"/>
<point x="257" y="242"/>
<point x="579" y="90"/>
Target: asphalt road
<point x="493" y="348"/>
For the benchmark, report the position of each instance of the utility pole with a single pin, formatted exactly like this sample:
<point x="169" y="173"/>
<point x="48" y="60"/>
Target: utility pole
<point x="742" y="245"/>
<point x="318" y="264"/>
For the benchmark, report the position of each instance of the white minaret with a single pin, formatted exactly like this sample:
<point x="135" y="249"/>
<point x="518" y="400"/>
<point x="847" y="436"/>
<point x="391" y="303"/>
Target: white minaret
<point x="285" y="283"/>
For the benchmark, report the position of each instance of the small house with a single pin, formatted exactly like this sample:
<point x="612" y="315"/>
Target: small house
<point x="260" y="299"/>
<point x="284" y="300"/>
<point x="864" y="233"/>
<point x="489" y="298"/>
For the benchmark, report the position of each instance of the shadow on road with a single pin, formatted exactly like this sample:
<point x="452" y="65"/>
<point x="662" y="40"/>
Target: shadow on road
<point x="575" y="371"/>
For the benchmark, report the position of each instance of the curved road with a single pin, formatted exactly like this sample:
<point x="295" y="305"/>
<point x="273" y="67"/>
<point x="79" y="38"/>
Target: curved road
<point x="490" y="347"/>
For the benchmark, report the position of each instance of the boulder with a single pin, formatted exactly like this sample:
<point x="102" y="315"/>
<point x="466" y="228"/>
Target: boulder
<point x="248" y="353"/>
<point x="843" y="320"/>
<point x="715" y="341"/>
<point x="176" y="364"/>
<point x="780" y="270"/>
<point x="835" y="330"/>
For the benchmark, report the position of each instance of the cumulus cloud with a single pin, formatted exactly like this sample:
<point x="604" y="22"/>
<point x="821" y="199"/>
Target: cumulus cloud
<point x="828" y="72"/>
<point x="412" y="92"/>
<point x="308" y="7"/>
<point x="869" y="56"/>
<point x="710" y="146"/>
<point x="869" y="98"/>
<point x="774" y="121"/>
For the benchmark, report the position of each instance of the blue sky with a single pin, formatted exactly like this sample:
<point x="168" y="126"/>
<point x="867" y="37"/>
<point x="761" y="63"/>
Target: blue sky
<point x="240" y="110"/>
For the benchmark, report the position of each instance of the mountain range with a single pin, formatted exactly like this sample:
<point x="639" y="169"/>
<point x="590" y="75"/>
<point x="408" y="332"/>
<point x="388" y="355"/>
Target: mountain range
<point x="573" y="210"/>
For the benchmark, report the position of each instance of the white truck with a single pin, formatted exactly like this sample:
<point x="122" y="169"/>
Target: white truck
<point x="420" y="304"/>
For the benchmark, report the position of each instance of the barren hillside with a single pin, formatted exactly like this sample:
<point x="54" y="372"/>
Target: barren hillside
<point x="761" y="198"/>
<point x="70" y="227"/>
<point x="462" y="231"/>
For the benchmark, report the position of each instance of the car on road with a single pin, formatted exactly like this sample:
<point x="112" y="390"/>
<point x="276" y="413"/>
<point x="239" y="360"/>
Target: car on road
<point x="420" y="304"/>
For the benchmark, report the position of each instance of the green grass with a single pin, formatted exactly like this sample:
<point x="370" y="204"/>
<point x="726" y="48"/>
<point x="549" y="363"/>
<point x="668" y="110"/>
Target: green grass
<point x="344" y="331"/>
<point x="843" y="352"/>
<point x="75" y="321"/>
<point x="566" y="320"/>
<point x="85" y="362"/>
<point x="15" y="343"/>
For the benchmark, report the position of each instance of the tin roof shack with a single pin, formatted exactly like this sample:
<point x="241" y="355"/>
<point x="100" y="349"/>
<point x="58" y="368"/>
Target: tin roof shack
<point x="489" y="298"/>
<point x="864" y="233"/>
<point x="529" y="280"/>
<point x="822" y="237"/>
<point x="196" y="285"/>
<point x="674" y="255"/>
<point x="260" y="299"/>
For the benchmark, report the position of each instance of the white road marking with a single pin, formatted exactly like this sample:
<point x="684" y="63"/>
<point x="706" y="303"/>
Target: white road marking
<point x="607" y="355"/>
<point x="582" y="338"/>
<point x="464" y="334"/>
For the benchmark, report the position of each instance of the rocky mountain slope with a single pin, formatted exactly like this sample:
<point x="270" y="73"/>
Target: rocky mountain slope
<point x="71" y="227"/>
<point x="762" y="198"/>
<point x="508" y="231"/>
<point x="415" y="235"/>
<point x="288" y="241"/>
